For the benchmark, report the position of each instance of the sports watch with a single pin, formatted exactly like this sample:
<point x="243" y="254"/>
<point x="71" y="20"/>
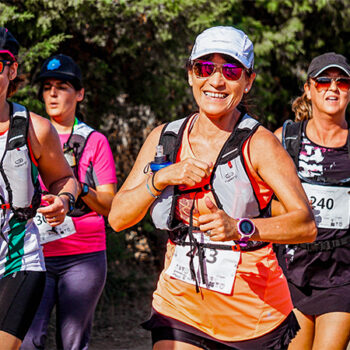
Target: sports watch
<point x="84" y="189"/>
<point x="246" y="229"/>
<point x="71" y="200"/>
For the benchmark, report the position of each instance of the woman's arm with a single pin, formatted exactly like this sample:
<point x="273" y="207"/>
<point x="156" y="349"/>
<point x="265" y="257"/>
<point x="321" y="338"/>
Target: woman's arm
<point x="272" y="163"/>
<point x="277" y="169"/>
<point x="100" y="199"/>
<point x="53" y="168"/>
<point x="136" y="195"/>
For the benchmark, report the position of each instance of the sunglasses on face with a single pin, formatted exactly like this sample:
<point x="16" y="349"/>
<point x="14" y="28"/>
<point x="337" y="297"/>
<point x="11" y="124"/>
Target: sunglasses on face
<point x="204" y="69"/>
<point x="3" y="64"/>
<point x="324" y="83"/>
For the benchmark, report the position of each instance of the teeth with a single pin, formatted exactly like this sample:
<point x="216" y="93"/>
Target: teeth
<point x="214" y="94"/>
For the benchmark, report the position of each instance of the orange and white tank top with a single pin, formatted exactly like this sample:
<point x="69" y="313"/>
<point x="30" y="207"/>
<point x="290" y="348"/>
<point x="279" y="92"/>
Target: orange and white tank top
<point x="260" y="299"/>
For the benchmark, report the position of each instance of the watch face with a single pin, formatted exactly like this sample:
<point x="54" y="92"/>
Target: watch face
<point x="246" y="226"/>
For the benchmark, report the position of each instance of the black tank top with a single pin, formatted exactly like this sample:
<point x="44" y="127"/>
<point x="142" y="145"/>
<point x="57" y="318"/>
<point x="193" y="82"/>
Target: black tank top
<point x="327" y="268"/>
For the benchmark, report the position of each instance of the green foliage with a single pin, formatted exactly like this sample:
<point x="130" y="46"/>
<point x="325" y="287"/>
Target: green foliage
<point x="133" y="52"/>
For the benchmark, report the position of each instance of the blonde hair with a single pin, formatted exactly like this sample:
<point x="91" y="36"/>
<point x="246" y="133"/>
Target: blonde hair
<point x="302" y="108"/>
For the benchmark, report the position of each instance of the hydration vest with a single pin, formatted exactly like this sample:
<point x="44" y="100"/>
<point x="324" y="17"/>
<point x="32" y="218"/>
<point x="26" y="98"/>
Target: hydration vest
<point x="20" y="175"/>
<point x="229" y="182"/>
<point x="73" y="150"/>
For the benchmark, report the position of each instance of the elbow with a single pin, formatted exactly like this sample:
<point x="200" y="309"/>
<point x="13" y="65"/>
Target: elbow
<point x="115" y="222"/>
<point x="309" y="232"/>
<point x="312" y="232"/>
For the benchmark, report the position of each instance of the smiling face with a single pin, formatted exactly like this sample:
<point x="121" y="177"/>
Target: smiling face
<point x="216" y="96"/>
<point x="61" y="99"/>
<point x="332" y="101"/>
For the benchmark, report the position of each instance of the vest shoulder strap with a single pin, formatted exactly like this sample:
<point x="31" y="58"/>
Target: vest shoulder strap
<point x="78" y="138"/>
<point x="19" y="123"/>
<point x="171" y="136"/>
<point x="291" y="138"/>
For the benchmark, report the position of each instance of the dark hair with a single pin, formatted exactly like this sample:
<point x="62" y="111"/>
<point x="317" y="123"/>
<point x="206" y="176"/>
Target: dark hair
<point x="302" y="107"/>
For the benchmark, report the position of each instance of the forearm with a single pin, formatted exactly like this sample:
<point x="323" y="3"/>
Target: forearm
<point x="129" y="206"/>
<point x="99" y="201"/>
<point x="294" y="227"/>
<point x="65" y="184"/>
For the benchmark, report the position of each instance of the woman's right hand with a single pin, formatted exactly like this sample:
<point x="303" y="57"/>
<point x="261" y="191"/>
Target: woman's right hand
<point x="188" y="172"/>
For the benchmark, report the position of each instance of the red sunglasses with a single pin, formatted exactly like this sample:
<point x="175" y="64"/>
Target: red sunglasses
<point x="204" y="69"/>
<point x="324" y="83"/>
<point x="3" y="64"/>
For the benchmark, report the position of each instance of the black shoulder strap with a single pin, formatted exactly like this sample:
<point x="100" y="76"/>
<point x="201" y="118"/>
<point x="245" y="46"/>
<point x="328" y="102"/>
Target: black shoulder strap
<point x="171" y="139"/>
<point x="19" y="123"/>
<point x="291" y="138"/>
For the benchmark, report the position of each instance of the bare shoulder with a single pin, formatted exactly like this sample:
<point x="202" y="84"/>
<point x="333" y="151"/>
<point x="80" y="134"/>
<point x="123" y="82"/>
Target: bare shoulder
<point x="265" y="148"/>
<point x="278" y="133"/>
<point x="263" y="138"/>
<point x="40" y="126"/>
<point x="42" y="134"/>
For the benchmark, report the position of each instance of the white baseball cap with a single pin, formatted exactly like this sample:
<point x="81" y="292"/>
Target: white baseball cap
<point x="225" y="40"/>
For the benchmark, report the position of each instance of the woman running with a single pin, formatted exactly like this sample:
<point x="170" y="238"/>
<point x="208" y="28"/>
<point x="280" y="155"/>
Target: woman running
<point x="28" y="145"/>
<point x="318" y="273"/>
<point x="75" y="255"/>
<point x="221" y="287"/>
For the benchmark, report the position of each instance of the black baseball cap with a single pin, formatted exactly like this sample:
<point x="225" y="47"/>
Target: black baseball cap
<point x="8" y="44"/>
<point x="328" y="60"/>
<point x="61" y="67"/>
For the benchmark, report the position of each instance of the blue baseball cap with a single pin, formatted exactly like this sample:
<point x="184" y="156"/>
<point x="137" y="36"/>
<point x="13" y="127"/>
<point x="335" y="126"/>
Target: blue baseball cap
<point x="225" y="40"/>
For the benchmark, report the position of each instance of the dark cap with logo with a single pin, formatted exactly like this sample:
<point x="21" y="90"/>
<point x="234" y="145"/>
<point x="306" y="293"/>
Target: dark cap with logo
<point x="61" y="67"/>
<point x="328" y="60"/>
<point x="8" y="44"/>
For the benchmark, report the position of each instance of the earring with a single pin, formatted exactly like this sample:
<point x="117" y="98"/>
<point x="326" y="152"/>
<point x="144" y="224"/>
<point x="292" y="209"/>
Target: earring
<point x="246" y="89"/>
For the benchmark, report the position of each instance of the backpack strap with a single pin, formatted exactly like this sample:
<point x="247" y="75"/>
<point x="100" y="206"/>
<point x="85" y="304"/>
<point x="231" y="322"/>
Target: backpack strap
<point x="171" y="137"/>
<point x="291" y="138"/>
<point x="19" y="124"/>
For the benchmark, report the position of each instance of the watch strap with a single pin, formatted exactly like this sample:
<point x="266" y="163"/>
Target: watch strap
<point x="71" y="200"/>
<point x="84" y="189"/>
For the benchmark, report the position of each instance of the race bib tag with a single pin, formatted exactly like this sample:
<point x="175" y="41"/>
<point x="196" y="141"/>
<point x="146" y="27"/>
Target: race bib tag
<point x="49" y="233"/>
<point x="330" y="205"/>
<point x="219" y="265"/>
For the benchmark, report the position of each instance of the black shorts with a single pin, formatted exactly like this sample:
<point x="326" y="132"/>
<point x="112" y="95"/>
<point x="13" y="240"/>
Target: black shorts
<point x="165" y="328"/>
<point x="20" y="295"/>
<point x="318" y="301"/>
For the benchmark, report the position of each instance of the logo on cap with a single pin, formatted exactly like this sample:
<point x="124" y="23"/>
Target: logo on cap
<point x="53" y="64"/>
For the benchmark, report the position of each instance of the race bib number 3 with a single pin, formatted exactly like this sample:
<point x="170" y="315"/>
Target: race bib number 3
<point x="330" y="205"/>
<point x="49" y="233"/>
<point x="219" y="266"/>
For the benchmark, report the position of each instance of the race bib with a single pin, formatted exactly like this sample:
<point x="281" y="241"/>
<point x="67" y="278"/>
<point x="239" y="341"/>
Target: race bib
<point x="330" y="205"/>
<point x="49" y="233"/>
<point x="219" y="265"/>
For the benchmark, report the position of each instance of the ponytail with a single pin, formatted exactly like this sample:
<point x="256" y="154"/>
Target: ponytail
<point x="302" y="108"/>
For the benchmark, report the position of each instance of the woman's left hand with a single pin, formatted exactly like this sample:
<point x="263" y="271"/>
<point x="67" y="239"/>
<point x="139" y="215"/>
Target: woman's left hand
<point x="55" y="211"/>
<point x="221" y="226"/>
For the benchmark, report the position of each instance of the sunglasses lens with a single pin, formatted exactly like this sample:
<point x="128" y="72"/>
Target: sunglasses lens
<point x="231" y="72"/>
<point x="323" y="83"/>
<point x="343" y="84"/>
<point x="203" y="69"/>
